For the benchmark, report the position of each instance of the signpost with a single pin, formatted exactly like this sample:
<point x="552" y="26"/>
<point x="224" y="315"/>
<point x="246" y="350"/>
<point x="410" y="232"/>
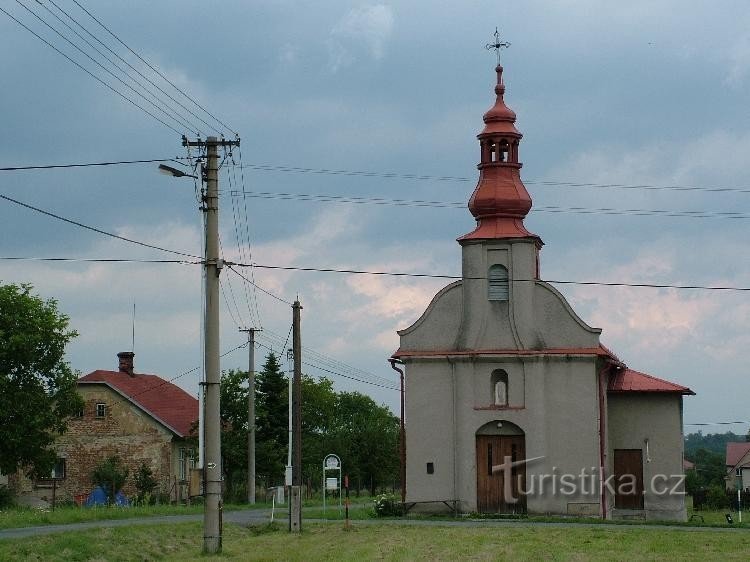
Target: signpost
<point x="332" y="463"/>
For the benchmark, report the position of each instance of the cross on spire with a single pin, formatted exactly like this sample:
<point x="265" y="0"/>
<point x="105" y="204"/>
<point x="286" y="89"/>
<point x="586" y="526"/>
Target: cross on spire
<point x="497" y="45"/>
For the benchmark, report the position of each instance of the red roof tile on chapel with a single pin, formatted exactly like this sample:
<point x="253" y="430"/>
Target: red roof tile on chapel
<point x="628" y="380"/>
<point x="162" y="400"/>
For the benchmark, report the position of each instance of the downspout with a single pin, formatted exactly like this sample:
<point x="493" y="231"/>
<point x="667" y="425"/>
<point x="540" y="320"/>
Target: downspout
<point x="402" y="429"/>
<point x="454" y="436"/>
<point x="601" y="379"/>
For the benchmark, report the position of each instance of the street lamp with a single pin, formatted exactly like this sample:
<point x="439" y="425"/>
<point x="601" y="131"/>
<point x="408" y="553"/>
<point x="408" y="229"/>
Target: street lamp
<point x="170" y="171"/>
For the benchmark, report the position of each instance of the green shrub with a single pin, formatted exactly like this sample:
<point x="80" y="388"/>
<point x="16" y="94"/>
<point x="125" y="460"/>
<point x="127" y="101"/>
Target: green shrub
<point x="387" y="505"/>
<point x="110" y="475"/>
<point x="717" y="498"/>
<point x="145" y="483"/>
<point x="6" y="497"/>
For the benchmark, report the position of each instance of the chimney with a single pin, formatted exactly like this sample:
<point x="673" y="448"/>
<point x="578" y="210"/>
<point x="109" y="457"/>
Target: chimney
<point x="125" y="363"/>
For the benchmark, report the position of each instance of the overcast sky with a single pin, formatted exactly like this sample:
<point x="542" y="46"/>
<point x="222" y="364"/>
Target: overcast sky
<point x="633" y="93"/>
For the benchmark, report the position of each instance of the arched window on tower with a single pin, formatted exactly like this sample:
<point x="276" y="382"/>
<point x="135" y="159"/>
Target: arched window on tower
<point x="499" y="380"/>
<point x="497" y="286"/>
<point x="503" y="151"/>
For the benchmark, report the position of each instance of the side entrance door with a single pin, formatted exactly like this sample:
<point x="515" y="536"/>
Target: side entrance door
<point x="494" y="451"/>
<point x="628" y="478"/>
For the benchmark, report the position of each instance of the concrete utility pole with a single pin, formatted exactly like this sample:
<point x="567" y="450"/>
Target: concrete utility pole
<point x="250" y="415"/>
<point x="212" y="469"/>
<point x="295" y="500"/>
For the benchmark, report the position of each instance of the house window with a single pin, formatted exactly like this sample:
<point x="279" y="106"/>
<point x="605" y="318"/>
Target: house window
<point x="497" y="287"/>
<point x="57" y="473"/>
<point x="499" y="387"/>
<point x="101" y="410"/>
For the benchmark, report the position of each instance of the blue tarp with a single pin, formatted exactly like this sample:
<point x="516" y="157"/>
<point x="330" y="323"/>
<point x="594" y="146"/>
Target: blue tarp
<point x="99" y="497"/>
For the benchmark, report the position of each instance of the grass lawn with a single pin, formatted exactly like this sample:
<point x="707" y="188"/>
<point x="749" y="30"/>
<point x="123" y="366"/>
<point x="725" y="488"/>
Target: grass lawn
<point x="384" y="542"/>
<point x="28" y="517"/>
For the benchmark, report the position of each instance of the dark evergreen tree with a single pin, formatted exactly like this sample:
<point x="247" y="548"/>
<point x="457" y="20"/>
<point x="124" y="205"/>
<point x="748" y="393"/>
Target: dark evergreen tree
<point x="272" y="411"/>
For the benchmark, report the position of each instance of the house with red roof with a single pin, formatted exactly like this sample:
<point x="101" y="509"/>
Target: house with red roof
<point x="141" y="418"/>
<point x="738" y="466"/>
<point x="512" y="404"/>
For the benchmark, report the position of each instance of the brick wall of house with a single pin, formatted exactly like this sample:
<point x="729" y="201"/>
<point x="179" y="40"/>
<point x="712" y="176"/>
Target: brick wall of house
<point x="124" y="431"/>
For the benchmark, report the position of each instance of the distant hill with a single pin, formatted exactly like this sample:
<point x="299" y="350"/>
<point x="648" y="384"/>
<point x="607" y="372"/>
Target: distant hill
<point x="714" y="442"/>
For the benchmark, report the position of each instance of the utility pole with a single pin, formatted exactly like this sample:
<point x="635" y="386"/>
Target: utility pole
<point x="295" y="500"/>
<point x="213" y="264"/>
<point x="250" y="415"/>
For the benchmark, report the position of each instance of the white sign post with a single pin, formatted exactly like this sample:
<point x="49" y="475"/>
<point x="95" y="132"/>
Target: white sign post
<point x="332" y="463"/>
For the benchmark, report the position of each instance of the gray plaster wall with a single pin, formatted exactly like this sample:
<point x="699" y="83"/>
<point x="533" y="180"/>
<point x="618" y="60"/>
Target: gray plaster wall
<point x="536" y="316"/>
<point x="634" y="418"/>
<point x="552" y="399"/>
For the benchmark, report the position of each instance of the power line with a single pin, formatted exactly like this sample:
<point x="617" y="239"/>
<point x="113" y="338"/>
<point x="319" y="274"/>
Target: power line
<point x="270" y="294"/>
<point x="321" y="198"/>
<point x="88" y="164"/>
<point x="98" y="260"/>
<point x="365" y="272"/>
<point x="93" y="229"/>
<point x="87" y="71"/>
<point x="274" y="337"/>
<point x="169" y="110"/>
<point x="336" y="373"/>
<point x="458" y="277"/>
<point x="153" y="68"/>
<point x="168" y="381"/>
<point x="462" y="179"/>
<point x="134" y="68"/>
<point x="720" y="423"/>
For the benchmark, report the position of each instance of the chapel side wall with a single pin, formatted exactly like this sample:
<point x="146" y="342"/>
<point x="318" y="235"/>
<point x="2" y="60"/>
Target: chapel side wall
<point x="429" y="430"/>
<point x="635" y="417"/>
<point x="125" y="431"/>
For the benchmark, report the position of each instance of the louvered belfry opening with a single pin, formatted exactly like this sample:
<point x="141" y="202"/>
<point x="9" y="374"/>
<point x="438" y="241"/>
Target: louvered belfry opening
<point x="497" y="283"/>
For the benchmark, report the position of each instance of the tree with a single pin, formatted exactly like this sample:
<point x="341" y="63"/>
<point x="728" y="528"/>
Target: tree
<point x="110" y="476"/>
<point x="234" y="432"/>
<point x="37" y="387"/>
<point x="272" y="412"/>
<point x="145" y="483"/>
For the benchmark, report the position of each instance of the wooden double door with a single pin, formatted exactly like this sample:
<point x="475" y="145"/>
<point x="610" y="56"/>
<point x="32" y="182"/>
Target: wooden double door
<point x="499" y="451"/>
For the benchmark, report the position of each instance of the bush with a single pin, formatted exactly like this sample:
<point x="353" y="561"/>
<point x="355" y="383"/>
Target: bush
<point x="6" y="497"/>
<point x="110" y="475"/>
<point x="717" y="498"/>
<point x="145" y="483"/>
<point x="387" y="505"/>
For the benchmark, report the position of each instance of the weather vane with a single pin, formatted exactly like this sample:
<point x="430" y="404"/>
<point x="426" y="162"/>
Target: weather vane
<point x="497" y="45"/>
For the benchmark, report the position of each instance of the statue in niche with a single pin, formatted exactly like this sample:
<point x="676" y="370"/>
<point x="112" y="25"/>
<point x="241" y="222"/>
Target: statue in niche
<point x="501" y="393"/>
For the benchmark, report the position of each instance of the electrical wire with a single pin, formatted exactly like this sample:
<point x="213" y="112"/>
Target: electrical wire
<point x="163" y="382"/>
<point x="460" y="179"/>
<point x="93" y="229"/>
<point x="153" y="68"/>
<point x="320" y="198"/>
<point x="169" y="111"/>
<point x="458" y="277"/>
<point x="327" y="361"/>
<point x="337" y="373"/>
<point x="87" y="71"/>
<point x="261" y="289"/>
<point x="98" y="260"/>
<point x="134" y="68"/>
<point x="89" y="164"/>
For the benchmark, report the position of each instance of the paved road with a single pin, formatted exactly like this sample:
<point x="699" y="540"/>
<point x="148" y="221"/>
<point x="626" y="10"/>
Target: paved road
<point x="256" y="516"/>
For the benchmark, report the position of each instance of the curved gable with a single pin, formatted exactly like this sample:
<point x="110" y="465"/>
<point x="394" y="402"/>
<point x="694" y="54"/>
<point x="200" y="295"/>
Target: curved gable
<point x="557" y="323"/>
<point x="440" y="323"/>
